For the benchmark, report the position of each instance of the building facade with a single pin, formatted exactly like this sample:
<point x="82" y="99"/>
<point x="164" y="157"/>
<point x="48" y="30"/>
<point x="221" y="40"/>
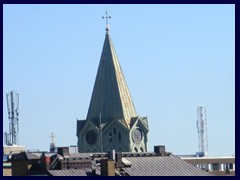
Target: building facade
<point x="112" y="121"/>
<point x="217" y="166"/>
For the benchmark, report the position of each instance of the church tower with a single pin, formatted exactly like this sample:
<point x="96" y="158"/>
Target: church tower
<point x="112" y="121"/>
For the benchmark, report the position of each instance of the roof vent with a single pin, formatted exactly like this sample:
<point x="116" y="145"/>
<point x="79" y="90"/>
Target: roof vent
<point x="126" y="162"/>
<point x="160" y="150"/>
<point x="63" y="151"/>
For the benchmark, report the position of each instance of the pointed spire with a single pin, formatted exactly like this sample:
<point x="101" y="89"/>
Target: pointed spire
<point x="110" y="96"/>
<point x="107" y="25"/>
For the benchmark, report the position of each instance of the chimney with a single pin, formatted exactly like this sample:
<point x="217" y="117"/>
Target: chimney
<point x="119" y="157"/>
<point x="107" y="167"/>
<point x="63" y="151"/>
<point x="46" y="161"/>
<point x="160" y="150"/>
<point x="111" y="155"/>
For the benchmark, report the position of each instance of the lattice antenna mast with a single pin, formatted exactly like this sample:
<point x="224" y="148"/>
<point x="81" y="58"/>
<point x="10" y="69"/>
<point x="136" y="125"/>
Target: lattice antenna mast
<point x="6" y="138"/>
<point x="202" y="130"/>
<point x="13" y="106"/>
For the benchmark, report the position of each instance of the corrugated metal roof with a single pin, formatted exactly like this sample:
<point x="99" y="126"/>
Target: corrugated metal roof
<point x="69" y="172"/>
<point x="162" y="166"/>
<point x="79" y="155"/>
<point x="87" y="155"/>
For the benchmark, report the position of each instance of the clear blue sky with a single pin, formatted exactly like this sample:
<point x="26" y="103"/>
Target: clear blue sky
<point x="174" y="58"/>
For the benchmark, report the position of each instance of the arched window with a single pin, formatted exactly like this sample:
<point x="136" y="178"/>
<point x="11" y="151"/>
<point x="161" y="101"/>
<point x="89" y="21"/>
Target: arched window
<point x="110" y="137"/>
<point x="114" y="131"/>
<point x="119" y="136"/>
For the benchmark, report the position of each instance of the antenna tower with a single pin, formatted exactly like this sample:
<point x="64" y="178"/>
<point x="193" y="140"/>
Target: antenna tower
<point x="13" y="105"/>
<point x="202" y="130"/>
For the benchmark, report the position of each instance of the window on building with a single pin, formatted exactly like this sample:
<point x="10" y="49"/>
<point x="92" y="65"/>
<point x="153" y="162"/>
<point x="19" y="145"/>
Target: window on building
<point x="110" y="137"/>
<point x="205" y="167"/>
<point x="229" y="166"/>
<point x="141" y="149"/>
<point x="215" y="166"/>
<point x="119" y="136"/>
<point x="114" y="132"/>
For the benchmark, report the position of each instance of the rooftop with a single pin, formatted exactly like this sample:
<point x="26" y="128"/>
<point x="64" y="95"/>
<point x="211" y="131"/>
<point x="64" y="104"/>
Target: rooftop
<point x="161" y="166"/>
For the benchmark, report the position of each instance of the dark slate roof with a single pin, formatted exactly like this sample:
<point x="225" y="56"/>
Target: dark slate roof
<point x="161" y="166"/>
<point x="144" y="121"/>
<point x="69" y="172"/>
<point x="31" y="156"/>
<point x="24" y="156"/>
<point x="133" y="120"/>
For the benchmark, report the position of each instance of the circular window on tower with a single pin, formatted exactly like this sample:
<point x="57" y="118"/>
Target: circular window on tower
<point x="137" y="135"/>
<point x="91" y="137"/>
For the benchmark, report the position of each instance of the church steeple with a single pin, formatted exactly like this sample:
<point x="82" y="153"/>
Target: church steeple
<point x="110" y="96"/>
<point x="112" y="122"/>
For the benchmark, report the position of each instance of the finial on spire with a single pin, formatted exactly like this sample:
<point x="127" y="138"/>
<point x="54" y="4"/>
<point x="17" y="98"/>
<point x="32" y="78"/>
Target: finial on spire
<point x="107" y="17"/>
<point x="52" y="137"/>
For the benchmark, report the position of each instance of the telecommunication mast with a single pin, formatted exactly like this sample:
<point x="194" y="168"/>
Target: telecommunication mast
<point x="13" y="107"/>
<point x="202" y="131"/>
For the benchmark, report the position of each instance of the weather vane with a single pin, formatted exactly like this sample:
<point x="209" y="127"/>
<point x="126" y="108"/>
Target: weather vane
<point x="107" y="17"/>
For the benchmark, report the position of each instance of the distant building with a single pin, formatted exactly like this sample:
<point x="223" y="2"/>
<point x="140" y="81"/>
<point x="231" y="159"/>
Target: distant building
<point x="64" y="163"/>
<point x="8" y="151"/>
<point x="112" y="121"/>
<point x="13" y="149"/>
<point x="219" y="166"/>
<point x="7" y="167"/>
<point x="29" y="163"/>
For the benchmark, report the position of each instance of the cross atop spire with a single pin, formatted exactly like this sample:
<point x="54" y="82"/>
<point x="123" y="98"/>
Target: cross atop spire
<point x="52" y="138"/>
<point x="107" y="17"/>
